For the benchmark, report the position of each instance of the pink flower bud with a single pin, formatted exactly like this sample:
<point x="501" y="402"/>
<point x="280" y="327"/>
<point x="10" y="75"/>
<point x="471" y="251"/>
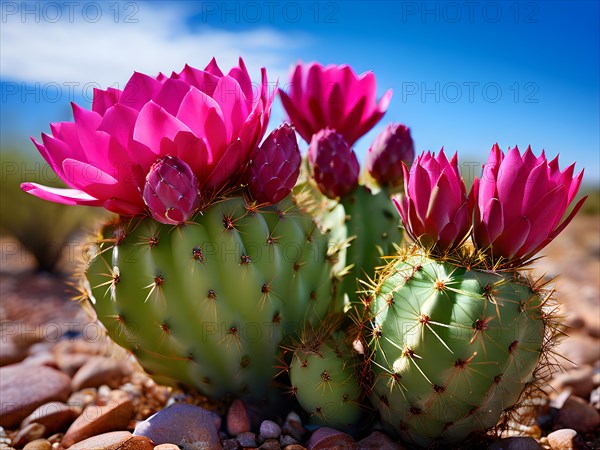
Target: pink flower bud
<point x="275" y="167"/>
<point x="389" y="150"/>
<point x="334" y="164"/>
<point x="171" y="191"/>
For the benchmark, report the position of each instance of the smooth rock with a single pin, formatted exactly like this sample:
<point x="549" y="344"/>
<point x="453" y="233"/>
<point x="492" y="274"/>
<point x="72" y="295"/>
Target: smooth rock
<point x="579" y="381"/>
<point x="595" y="398"/>
<point x="38" y="444"/>
<point x="269" y="430"/>
<point x="330" y="439"/>
<point x="293" y="426"/>
<point x="116" y="440"/>
<point x="294" y="447"/>
<point x="270" y="444"/>
<point x="579" y="348"/>
<point x="29" y="433"/>
<point x="11" y="352"/>
<point x="238" y="421"/>
<point x="99" y="419"/>
<point x="378" y="441"/>
<point x="579" y="415"/>
<point x="182" y="424"/>
<point x="101" y="370"/>
<point x="81" y="399"/>
<point x="515" y="443"/>
<point x="166" y="447"/>
<point x="23" y="390"/>
<point x="566" y="439"/>
<point x="70" y="363"/>
<point x="247" y="439"/>
<point x="55" y="416"/>
<point x="105" y="441"/>
<point x="286" y="440"/>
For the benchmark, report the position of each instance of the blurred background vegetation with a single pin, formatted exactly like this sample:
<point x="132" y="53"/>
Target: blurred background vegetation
<point x="53" y="234"/>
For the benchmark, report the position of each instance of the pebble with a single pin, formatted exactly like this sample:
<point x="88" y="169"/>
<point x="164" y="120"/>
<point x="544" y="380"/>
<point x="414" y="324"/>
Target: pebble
<point x="270" y="444"/>
<point x="293" y="426"/>
<point x="269" y="430"/>
<point x="230" y="444"/>
<point x="166" y="447"/>
<point x="294" y="447"/>
<point x="29" y="433"/>
<point x="99" y="419"/>
<point x="579" y="415"/>
<point x="11" y="352"/>
<point x="287" y="440"/>
<point x="101" y="370"/>
<point x="378" y="441"/>
<point x="579" y="381"/>
<point x="55" y="416"/>
<point x="566" y="439"/>
<point x="330" y="439"/>
<point x="580" y="348"/>
<point x="81" y="399"/>
<point x="247" y="439"/>
<point x="23" y="390"/>
<point x="103" y="441"/>
<point x="238" y="421"/>
<point x="182" y="424"/>
<point x="70" y="363"/>
<point x="595" y="398"/>
<point x="515" y="443"/>
<point x="38" y="444"/>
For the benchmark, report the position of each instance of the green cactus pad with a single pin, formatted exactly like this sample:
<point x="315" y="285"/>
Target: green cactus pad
<point x="373" y="224"/>
<point x="324" y="381"/>
<point x="206" y="305"/>
<point x="452" y="348"/>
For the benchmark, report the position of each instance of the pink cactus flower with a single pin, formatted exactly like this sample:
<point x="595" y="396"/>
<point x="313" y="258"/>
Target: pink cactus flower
<point x="211" y="121"/>
<point x="275" y="168"/>
<point x="435" y="209"/>
<point x="389" y="150"/>
<point x="171" y="191"/>
<point x="334" y="164"/>
<point x="519" y="203"/>
<point x="334" y="97"/>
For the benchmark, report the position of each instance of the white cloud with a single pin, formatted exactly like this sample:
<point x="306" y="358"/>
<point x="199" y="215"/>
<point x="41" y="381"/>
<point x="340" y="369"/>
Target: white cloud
<point x="35" y="48"/>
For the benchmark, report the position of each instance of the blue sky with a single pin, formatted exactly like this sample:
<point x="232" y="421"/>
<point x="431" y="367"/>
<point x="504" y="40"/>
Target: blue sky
<point x="465" y="74"/>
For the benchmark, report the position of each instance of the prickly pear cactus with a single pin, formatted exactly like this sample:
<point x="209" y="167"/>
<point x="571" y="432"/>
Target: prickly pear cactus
<point x="206" y="304"/>
<point x="374" y="227"/>
<point x="452" y="348"/>
<point x="324" y="379"/>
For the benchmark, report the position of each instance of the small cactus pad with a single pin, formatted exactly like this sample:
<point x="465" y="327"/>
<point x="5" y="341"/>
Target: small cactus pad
<point x="324" y="381"/>
<point x="206" y="304"/>
<point x="452" y="348"/>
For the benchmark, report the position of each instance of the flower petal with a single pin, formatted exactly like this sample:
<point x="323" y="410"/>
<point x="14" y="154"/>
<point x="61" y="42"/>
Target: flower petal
<point x="59" y="195"/>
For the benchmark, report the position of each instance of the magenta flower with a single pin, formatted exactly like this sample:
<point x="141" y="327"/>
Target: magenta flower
<point x="519" y="203"/>
<point x="171" y="191"/>
<point x="435" y="209"/>
<point x="275" y="168"/>
<point x="211" y="121"/>
<point x="333" y="97"/>
<point x="392" y="147"/>
<point x="334" y="165"/>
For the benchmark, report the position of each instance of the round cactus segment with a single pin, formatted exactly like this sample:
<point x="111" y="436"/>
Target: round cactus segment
<point x="324" y="381"/>
<point x="452" y="348"/>
<point x="206" y="304"/>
